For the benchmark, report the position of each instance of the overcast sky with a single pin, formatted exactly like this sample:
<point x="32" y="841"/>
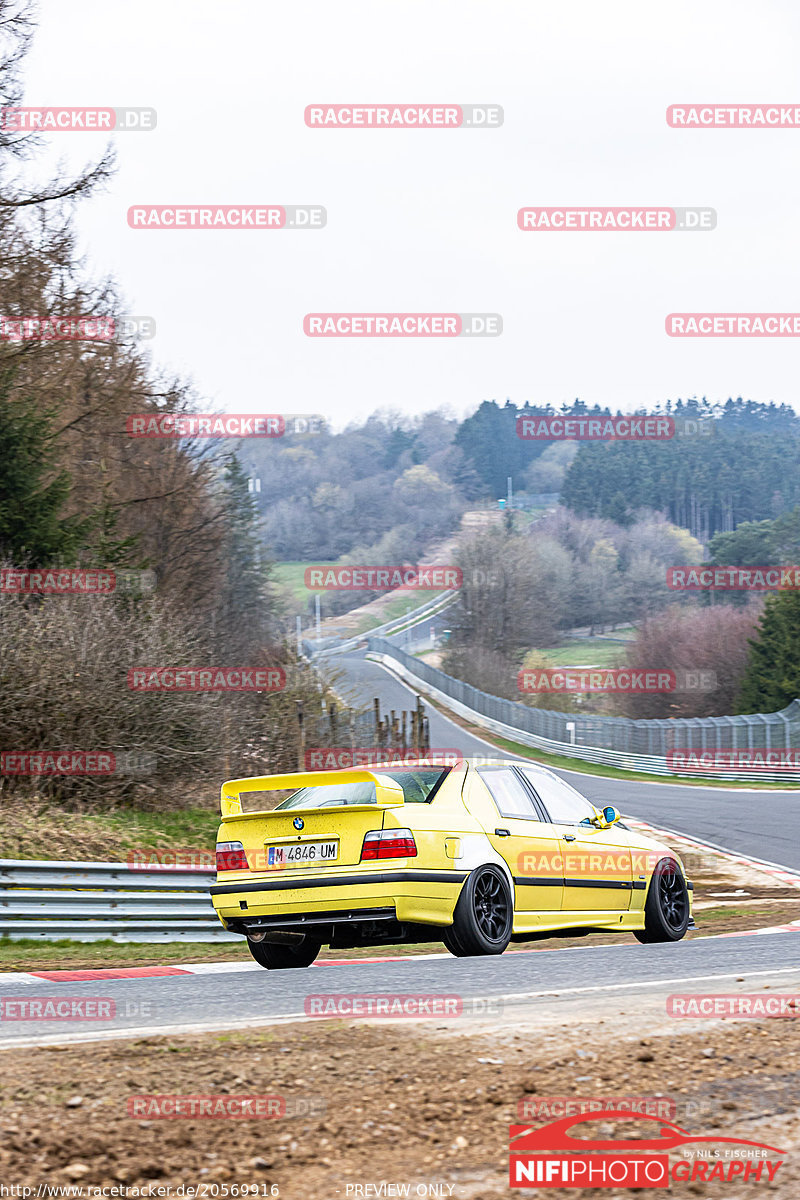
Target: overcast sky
<point x="426" y="220"/>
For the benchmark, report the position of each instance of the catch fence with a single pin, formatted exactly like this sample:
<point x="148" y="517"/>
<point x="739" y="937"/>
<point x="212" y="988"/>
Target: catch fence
<point x="646" y="745"/>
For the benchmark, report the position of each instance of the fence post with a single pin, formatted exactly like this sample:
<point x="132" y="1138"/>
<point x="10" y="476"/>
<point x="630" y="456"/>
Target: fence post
<point x="301" y="737"/>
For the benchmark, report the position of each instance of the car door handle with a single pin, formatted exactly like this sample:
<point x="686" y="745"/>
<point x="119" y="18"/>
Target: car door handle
<point x="502" y="832"/>
<point x="569" y="837"/>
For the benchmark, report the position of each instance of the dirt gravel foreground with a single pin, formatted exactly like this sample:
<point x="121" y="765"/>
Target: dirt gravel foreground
<point x="421" y="1104"/>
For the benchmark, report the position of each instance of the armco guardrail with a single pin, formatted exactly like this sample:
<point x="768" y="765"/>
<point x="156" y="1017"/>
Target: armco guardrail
<point x="90" y="901"/>
<point x="616" y="741"/>
<point x="332" y="645"/>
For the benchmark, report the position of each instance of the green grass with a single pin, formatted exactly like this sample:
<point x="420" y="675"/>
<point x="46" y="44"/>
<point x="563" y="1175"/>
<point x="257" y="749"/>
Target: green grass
<point x="290" y="576"/>
<point x="391" y="610"/>
<point x="524" y="517"/>
<point x="590" y="651"/>
<point x="176" y="828"/>
<point x="720" y="913"/>
<point x="585" y="652"/>
<point x="405" y="602"/>
<point x="31" y="954"/>
<point x="33" y="829"/>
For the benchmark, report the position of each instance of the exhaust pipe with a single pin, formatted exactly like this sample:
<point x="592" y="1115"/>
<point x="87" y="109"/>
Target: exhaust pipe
<point x="276" y="936"/>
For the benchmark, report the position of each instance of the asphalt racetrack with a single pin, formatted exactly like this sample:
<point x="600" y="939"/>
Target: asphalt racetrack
<point x="523" y="985"/>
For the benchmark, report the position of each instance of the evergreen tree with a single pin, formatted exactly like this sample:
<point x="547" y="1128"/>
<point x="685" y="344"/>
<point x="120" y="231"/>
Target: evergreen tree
<point x="245" y="607"/>
<point x="489" y="440"/>
<point x="772" y="678"/>
<point x="744" y="470"/>
<point x="33" y="491"/>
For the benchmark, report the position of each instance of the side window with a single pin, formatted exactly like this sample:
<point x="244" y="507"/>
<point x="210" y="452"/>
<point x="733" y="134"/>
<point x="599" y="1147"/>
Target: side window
<point x="508" y="793"/>
<point x="563" y="803"/>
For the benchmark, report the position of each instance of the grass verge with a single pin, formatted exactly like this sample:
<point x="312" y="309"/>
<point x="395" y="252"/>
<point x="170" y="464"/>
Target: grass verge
<point x="595" y="652"/>
<point x="39" y="829"/>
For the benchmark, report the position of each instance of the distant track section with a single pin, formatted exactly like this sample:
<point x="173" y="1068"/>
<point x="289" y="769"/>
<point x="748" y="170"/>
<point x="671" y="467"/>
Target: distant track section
<point x="591" y="738"/>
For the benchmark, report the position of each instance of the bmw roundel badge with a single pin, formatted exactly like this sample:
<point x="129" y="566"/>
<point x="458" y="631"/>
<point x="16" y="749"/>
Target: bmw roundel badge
<point x="298" y="823"/>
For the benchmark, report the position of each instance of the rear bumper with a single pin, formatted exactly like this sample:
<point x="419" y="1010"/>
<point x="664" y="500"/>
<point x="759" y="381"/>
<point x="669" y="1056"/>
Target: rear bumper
<point x="412" y="894"/>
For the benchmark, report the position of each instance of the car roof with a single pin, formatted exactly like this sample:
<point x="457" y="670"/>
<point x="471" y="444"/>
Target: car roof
<point x="476" y="763"/>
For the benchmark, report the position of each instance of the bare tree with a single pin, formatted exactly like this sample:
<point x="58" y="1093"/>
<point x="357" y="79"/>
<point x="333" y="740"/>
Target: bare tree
<point x="16" y="33"/>
<point x="698" y="640"/>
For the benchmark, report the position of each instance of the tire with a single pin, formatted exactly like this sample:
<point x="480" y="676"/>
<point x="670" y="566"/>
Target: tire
<point x="484" y="915"/>
<point x="452" y="944"/>
<point x="279" y="957"/>
<point x="666" y="910"/>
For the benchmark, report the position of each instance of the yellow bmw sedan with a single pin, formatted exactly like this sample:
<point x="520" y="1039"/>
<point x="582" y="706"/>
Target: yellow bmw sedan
<point x="471" y="855"/>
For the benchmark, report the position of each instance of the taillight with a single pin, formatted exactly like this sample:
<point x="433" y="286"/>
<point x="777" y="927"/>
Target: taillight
<point x="389" y="843"/>
<point x="231" y="857"/>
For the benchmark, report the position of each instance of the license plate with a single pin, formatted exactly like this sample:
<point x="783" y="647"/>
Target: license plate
<point x="301" y="853"/>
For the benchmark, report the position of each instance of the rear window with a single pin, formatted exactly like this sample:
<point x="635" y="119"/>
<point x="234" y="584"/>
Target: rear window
<point x="418" y="788"/>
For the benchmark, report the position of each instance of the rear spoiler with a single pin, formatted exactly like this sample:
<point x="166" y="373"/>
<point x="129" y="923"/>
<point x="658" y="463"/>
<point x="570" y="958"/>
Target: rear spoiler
<point x="388" y="793"/>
